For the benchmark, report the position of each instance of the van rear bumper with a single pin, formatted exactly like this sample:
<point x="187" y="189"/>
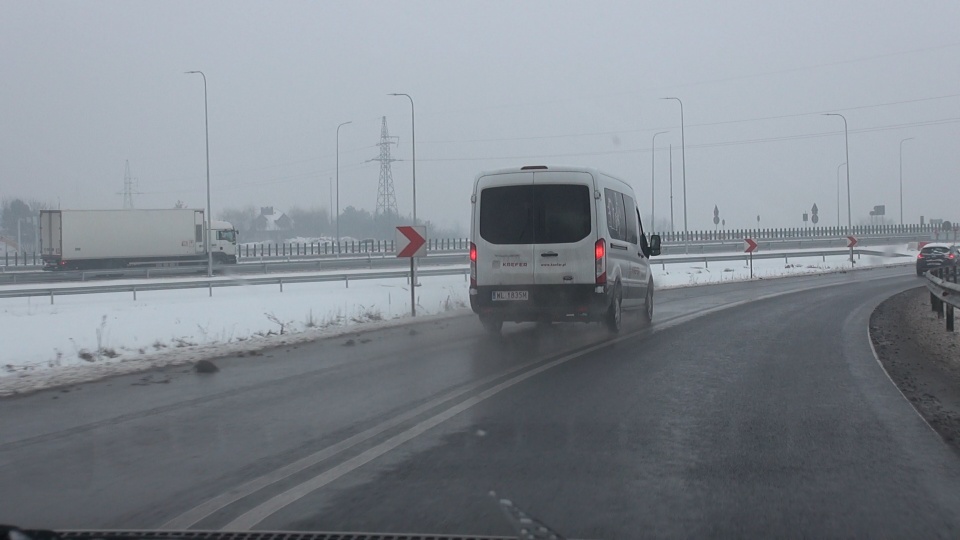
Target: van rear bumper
<point x="545" y="303"/>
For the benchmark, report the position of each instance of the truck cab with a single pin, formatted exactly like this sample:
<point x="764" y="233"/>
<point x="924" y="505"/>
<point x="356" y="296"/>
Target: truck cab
<point x="223" y="242"/>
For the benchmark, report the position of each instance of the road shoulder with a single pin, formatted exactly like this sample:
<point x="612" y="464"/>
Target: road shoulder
<point x="922" y="358"/>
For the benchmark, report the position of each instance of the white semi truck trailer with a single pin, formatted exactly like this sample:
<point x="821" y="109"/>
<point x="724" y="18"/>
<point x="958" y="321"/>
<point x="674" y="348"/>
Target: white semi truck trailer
<point x="88" y="239"/>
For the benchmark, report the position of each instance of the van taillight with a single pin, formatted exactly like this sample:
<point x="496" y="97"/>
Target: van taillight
<point x="599" y="253"/>
<point x="473" y="265"/>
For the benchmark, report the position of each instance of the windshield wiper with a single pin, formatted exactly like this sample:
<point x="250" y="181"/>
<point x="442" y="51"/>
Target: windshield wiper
<point x="526" y="526"/>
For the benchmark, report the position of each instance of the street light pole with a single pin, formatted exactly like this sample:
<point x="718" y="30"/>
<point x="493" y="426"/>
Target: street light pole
<point x="683" y="157"/>
<point x="846" y="149"/>
<point x="413" y="145"/>
<point x="901" y="178"/>
<point x="838" y="192"/>
<point x="338" y="184"/>
<point x="209" y="220"/>
<point x="653" y="173"/>
<point x="673" y="229"/>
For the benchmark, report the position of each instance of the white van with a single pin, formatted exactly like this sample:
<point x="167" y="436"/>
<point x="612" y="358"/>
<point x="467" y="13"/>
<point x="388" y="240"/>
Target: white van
<point x="557" y="244"/>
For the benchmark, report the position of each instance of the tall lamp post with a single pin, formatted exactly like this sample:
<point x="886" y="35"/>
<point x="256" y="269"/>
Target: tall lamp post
<point x="838" y="192"/>
<point x="846" y="149"/>
<point x="683" y="162"/>
<point x="206" y="124"/>
<point x="413" y="145"/>
<point x="653" y="182"/>
<point x="338" y="183"/>
<point x="901" y="178"/>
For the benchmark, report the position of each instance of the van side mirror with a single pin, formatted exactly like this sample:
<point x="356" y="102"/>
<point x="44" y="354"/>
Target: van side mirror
<point x="654" y="245"/>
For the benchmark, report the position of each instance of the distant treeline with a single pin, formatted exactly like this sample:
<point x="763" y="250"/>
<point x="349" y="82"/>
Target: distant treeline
<point x="317" y="222"/>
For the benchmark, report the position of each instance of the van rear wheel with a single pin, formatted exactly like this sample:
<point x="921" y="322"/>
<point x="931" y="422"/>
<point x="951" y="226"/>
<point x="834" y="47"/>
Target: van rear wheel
<point x="492" y="325"/>
<point x="614" y="317"/>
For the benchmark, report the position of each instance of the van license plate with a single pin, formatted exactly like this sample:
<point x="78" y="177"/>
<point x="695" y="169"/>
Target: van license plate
<point x="510" y="295"/>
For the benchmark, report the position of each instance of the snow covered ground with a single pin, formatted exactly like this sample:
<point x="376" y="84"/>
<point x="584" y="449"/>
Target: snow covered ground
<point x="83" y="337"/>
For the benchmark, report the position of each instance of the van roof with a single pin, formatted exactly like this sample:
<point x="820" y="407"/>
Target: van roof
<point x="551" y="168"/>
<point x="539" y="167"/>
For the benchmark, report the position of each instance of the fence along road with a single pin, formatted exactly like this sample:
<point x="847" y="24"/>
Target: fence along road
<point x="301" y="258"/>
<point x="456" y="269"/>
<point x="697" y="241"/>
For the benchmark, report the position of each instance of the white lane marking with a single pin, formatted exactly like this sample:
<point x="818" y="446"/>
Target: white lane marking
<point x="257" y="514"/>
<point x="195" y="515"/>
<point x="254" y="516"/>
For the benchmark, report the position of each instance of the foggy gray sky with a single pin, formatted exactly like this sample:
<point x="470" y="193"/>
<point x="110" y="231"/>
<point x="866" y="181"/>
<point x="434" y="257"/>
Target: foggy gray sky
<point x="88" y="85"/>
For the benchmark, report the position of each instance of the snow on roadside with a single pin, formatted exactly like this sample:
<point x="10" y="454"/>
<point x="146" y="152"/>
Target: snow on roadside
<point x="86" y="337"/>
<point x="699" y="273"/>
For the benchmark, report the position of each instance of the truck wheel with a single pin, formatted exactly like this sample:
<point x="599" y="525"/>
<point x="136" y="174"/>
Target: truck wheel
<point x="614" y="317"/>
<point x="491" y="324"/>
<point x="648" y="304"/>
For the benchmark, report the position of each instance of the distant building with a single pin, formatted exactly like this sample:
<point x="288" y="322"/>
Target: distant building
<point x="271" y="225"/>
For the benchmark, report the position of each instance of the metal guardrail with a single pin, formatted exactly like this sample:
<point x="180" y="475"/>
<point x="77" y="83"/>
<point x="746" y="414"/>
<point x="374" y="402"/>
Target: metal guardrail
<point x="211" y="284"/>
<point x="700" y="248"/>
<point x="368" y="262"/>
<point x="786" y="256"/>
<point x="944" y="293"/>
<point x="699" y="242"/>
<point x="266" y="267"/>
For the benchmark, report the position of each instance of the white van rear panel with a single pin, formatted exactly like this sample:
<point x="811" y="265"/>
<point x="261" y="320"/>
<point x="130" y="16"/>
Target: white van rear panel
<point x="507" y="258"/>
<point x="564" y="249"/>
<point x="557" y="244"/>
<point x="535" y="228"/>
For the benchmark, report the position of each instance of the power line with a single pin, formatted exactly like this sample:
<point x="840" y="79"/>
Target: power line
<point x="706" y="81"/>
<point x="704" y="145"/>
<point x="644" y="150"/>
<point x="703" y="124"/>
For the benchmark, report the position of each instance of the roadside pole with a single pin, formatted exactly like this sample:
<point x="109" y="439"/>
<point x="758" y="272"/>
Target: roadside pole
<point x="851" y="242"/>
<point x="412" y="243"/>
<point x="749" y="246"/>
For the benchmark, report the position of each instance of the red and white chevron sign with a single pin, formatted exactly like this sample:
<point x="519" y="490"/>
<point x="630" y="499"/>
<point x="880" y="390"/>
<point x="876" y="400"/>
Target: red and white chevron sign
<point x="749" y="245"/>
<point x="411" y="241"/>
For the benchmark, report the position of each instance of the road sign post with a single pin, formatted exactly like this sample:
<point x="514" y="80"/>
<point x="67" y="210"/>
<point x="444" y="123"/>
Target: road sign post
<point x="851" y="242"/>
<point x="749" y="246"/>
<point x="412" y="243"/>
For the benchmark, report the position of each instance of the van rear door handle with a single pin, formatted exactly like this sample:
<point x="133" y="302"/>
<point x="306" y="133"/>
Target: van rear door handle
<point x="549" y="254"/>
<point x="617" y="246"/>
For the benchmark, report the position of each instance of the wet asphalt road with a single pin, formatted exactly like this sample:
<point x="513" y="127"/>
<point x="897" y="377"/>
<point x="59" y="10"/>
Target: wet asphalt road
<point x="752" y="409"/>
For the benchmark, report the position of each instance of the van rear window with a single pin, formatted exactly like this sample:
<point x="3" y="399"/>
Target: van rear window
<point x="535" y="214"/>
